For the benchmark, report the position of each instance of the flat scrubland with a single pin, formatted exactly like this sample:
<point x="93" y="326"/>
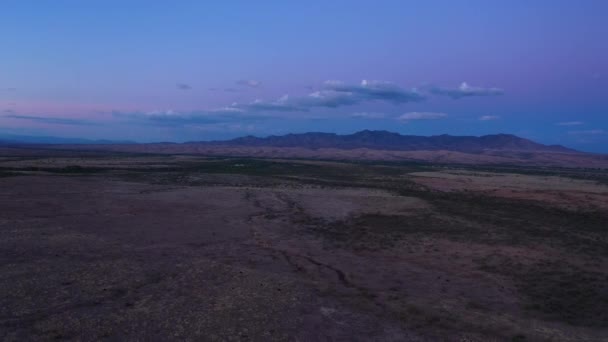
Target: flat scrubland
<point x="487" y="157"/>
<point x="98" y="246"/>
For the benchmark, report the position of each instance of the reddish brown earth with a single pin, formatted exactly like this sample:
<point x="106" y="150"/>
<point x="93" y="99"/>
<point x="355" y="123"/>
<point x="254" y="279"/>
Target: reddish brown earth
<point x="182" y="247"/>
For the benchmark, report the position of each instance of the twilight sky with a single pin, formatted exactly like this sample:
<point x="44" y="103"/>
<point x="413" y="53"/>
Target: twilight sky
<point x="198" y="70"/>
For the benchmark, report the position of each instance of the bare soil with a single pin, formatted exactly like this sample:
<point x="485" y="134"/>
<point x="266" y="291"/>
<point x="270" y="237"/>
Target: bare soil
<point x="172" y="247"/>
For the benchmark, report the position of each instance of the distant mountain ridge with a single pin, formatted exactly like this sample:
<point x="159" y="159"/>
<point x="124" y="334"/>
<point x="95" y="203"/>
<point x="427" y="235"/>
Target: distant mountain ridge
<point x="385" y="140"/>
<point x="495" y="149"/>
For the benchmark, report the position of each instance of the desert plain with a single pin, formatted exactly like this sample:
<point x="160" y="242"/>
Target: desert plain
<point x="128" y="246"/>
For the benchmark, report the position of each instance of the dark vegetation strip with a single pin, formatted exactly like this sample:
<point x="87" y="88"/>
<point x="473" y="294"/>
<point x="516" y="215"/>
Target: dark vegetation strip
<point x="557" y="289"/>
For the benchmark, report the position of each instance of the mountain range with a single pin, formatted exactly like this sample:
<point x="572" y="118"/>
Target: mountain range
<point x="504" y="149"/>
<point x="384" y="140"/>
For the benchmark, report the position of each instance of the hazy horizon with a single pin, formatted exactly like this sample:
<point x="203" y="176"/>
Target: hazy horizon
<point x="159" y="71"/>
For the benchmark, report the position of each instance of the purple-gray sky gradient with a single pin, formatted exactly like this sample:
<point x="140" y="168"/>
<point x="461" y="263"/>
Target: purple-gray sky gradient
<point x="194" y="70"/>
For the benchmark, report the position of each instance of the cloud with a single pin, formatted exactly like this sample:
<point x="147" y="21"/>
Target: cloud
<point x="570" y="123"/>
<point x="589" y="132"/>
<point x="335" y="94"/>
<point x="283" y="104"/>
<point x="9" y="89"/>
<point x="489" y="117"/>
<point x="249" y="83"/>
<point x="183" y="86"/>
<point x="256" y="109"/>
<point x="375" y="91"/>
<point x="227" y="90"/>
<point x="465" y="90"/>
<point x="173" y="118"/>
<point x="368" y="115"/>
<point x="412" y="116"/>
<point x="325" y="98"/>
<point x="51" y="120"/>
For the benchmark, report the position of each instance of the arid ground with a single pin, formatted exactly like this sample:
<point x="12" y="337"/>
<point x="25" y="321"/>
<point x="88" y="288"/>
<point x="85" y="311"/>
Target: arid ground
<point x="115" y="246"/>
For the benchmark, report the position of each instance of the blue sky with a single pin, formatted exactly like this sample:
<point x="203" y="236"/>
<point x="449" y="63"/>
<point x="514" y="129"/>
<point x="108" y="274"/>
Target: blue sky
<point x="199" y="70"/>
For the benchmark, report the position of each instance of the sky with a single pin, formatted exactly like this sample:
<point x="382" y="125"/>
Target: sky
<point x="204" y="70"/>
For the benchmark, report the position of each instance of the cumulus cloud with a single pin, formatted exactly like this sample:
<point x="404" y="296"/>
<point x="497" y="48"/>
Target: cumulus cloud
<point x="489" y="117"/>
<point x="280" y="105"/>
<point x="183" y="86"/>
<point x="51" y="120"/>
<point x="249" y="83"/>
<point x="375" y="91"/>
<point x="368" y="115"/>
<point x="336" y="94"/>
<point x="570" y="123"/>
<point x="413" y="116"/>
<point x="465" y="90"/>
<point x="325" y="98"/>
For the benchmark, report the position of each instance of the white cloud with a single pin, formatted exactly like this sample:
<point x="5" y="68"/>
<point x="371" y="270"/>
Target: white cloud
<point x="570" y="123"/>
<point x="368" y="115"/>
<point x="281" y="105"/>
<point x="333" y="94"/>
<point x="325" y="98"/>
<point x="411" y="116"/>
<point x="489" y="117"/>
<point x="375" y="91"/>
<point x="170" y="118"/>
<point x="465" y="90"/>
<point x="337" y="94"/>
